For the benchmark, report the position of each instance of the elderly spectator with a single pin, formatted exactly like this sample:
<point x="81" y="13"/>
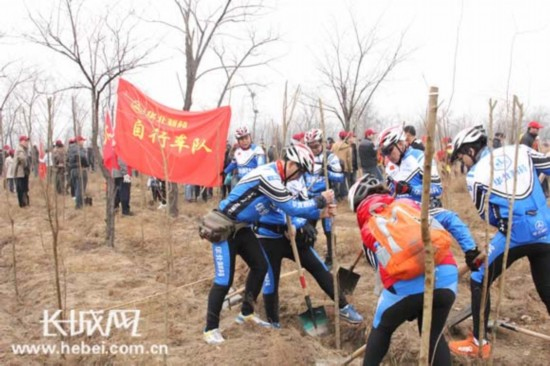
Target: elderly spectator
<point x="368" y="155"/>
<point x="343" y="150"/>
<point x="78" y="164"/>
<point x="530" y="138"/>
<point x="22" y="171"/>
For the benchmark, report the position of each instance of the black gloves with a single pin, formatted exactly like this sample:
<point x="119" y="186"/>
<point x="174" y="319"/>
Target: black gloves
<point x="471" y="261"/>
<point x="305" y="236"/>
<point x="402" y="187"/>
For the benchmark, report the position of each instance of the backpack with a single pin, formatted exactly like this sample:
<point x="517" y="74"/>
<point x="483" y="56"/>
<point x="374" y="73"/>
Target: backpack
<point x="216" y="227"/>
<point x="400" y="249"/>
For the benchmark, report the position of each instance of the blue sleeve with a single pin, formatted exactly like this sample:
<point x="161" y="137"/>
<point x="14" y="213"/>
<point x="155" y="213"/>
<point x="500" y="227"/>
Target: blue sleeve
<point x="282" y="198"/>
<point x="306" y="209"/>
<point x="260" y="159"/>
<point x="335" y="173"/>
<point x="229" y="168"/>
<point x="540" y="162"/>
<point x="456" y="227"/>
<point x="298" y="222"/>
<point x="435" y="190"/>
<point x="335" y="177"/>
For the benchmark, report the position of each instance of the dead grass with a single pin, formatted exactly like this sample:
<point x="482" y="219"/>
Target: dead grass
<point x="132" y="275"/>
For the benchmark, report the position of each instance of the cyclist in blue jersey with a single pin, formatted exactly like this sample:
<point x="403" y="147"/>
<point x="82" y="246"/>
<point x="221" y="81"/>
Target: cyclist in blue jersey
<point x="315" y="182"/>
<point x="271" y="230"/>
<point x="252" y="198"/>
<point x="405" y="171"/>
<point x="530" y="215"/>
<point x="402" y="299"/>
<point x="246" y="157"/>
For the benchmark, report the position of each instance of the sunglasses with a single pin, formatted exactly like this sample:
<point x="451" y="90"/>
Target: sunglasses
<point x="387" y="150"/>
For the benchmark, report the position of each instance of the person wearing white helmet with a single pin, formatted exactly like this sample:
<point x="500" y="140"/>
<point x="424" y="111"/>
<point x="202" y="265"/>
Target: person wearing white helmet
<point x="257" y="193"/>
<point x="530" y="231"/>
<point x="247" y="156"/>
<point x="316" y="180"/>
<point x="405" y="170"/>
<point x="271" y="230"/>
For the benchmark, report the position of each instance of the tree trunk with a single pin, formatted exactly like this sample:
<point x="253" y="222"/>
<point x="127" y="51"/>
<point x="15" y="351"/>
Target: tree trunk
<point x="109" y="182"/>
<point x="429" y="251"/>
<point x="172" y="188"/>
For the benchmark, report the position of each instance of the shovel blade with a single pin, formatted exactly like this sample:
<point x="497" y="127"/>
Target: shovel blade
<point x="347" y="280"/>
<point x="315" y="325"/>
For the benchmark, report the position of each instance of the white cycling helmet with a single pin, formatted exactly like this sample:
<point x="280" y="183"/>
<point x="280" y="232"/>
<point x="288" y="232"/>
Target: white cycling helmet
<point x="313" y="135"/>
<point x="389" y="137"/>
<point x="301" y="155"/>
<point x="241" y="132"/>
<point x="470" y="135"/>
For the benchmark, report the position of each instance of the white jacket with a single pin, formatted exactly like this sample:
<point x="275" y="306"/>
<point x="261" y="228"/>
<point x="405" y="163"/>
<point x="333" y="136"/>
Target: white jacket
<point x="9" y="166"/>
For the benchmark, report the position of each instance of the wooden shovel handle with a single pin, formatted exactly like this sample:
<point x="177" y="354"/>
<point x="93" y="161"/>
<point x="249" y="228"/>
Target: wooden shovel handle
<point x="359" y="255"/>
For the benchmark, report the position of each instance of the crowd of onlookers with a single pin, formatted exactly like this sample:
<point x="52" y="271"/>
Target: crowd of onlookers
<point x="67" y="167"/>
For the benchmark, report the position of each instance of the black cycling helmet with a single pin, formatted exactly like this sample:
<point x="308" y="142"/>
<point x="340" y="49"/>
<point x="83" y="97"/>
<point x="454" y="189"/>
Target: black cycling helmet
<point x="365" y="186"/>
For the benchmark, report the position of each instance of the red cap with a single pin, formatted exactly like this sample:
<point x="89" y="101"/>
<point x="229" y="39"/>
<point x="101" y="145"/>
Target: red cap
<point x="12" y="152"/>
<point x="80" y="138"/>
<point x="343" y="134"/>
<point x="534" y="124"/>
<point x="23" y="138"/>
<point x="369" y="132"/>
<point x="6" y="148"/>
<point x="298" y="136"/>
<point x="59" y="143"/>
<point x="72" y="140"/>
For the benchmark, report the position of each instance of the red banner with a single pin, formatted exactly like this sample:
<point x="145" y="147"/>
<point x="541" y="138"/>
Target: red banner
<point x="109" y="156"/>
<point x="151" y="137"/>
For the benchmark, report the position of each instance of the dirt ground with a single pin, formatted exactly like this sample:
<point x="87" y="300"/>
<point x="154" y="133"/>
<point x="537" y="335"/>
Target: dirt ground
<point x="134" y="275"/>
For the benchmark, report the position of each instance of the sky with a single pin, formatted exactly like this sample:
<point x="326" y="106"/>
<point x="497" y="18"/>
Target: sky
<point x="472" y="50"/>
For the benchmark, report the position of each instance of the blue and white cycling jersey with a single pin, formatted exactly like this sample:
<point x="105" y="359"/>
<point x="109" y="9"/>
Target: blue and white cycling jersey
<point x="258" y="192"/>
<point x="246" y="160"/>
<point x="411" y="170"/>
<point x="273" y="224"/>
<point x="315" y="182"/>
<point x="531" y="216"/>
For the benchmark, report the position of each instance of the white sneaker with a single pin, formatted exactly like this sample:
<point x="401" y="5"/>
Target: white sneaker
<point x="213" y="337"/>
<point x="161" y="206"/>
<point x="240" y="319"/>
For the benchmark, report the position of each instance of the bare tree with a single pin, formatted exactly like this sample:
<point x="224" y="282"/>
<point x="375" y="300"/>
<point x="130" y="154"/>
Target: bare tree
<point x="207" y="27"/>
<point x="353" y="70"/>
<point x="102" y="49"/>
<point x="9" y="83"/>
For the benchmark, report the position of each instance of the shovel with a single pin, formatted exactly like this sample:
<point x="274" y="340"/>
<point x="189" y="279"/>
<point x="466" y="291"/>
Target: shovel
<point x="347" y="279"/>
<point x="505" y="325"/>
<point x="314" y="320"/>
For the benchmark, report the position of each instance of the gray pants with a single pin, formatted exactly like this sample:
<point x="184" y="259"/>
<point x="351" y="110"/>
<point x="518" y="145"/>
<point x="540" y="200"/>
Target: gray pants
<point x="79" y="185"/>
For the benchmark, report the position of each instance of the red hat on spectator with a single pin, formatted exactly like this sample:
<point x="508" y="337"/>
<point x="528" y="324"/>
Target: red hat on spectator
<point x="72" y="140"/>
<point x="534" y="124"/>
<point x="343" y="134"/>
<point x="298" y="136"/>
<point x="12" y="152"/>
<point x="6" y="148"/>
<point x="369" y="132"/>
<point x="80" y="138"/>
<point x="59" y="143"/>
<point x="23" y="138"/>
